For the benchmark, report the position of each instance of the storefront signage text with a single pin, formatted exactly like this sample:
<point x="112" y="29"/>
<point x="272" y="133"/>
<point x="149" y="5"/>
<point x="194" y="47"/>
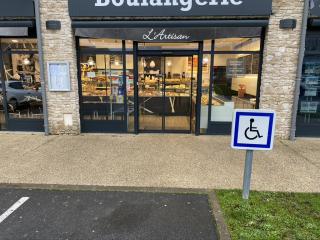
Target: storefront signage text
<point x="167" y="8"/>
<point x="186" y="5"/>
<point x="153" y="35"/>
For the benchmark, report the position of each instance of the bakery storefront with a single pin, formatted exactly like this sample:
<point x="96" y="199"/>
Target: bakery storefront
<point x="21" y="106"/>
<point x="166" y="65"/>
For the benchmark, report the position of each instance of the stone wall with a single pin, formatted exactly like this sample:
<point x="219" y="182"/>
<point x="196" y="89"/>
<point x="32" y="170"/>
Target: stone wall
<point x="60" y="46"/>
<point x="280" y="63"/>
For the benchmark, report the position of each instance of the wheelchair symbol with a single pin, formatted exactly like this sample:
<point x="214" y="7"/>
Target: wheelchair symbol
<point x="252" y="132"/>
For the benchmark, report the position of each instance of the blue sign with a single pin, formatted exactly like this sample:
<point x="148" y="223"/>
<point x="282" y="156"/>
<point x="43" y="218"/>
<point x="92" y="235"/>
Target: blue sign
<point x="253" y="129"/>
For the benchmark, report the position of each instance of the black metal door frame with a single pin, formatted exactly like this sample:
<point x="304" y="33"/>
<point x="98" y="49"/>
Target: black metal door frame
<point x="167" y="53"/>
<point x="116" y="127"/>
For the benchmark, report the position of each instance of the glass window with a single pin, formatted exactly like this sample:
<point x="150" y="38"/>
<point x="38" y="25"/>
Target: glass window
<point x="235" y="84"/>
<point x="129" y="45"/>
<point x="206" y="66"/>
<point x="308" y="118"/>
<point x="23" y="85"/>
<point x="19" y="44"/>
<point x="237" y="44"/>
<point x="102" y="87"/>
<point x="2" y="113"/>
<point x="114" y="44"/>
<point x="207" y="45"/>
<point x="130" y="92"/>
<point x="167" y="46"/>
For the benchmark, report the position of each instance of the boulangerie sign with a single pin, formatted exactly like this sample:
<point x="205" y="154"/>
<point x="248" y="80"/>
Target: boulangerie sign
<point x="167" y="8"/>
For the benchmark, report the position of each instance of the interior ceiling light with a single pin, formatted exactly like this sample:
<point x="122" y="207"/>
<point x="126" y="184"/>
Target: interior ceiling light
<point x="152" y="64"/>
<point x="169" y="63"/>
<point x="91" y="61"/>
<point x="14" y="41"/>
<point x="26" y="61"/>
<point x="205" y="60"/>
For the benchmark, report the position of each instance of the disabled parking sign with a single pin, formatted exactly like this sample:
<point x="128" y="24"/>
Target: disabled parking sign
<point x="253" y="129"/>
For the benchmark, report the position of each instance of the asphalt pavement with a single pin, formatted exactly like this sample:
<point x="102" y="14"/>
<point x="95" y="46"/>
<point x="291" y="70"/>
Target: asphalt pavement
<point x="104" y="215"/>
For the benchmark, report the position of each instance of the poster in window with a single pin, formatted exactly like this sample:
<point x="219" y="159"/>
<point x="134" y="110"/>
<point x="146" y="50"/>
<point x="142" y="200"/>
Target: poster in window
<point x="235" y="67"/>
<point x="59" y="76"/>
<point x="311" y="92"/>
<point x="309" y="107"/>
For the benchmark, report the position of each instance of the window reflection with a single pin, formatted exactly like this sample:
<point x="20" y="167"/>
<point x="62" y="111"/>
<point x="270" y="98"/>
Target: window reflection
<point x="235" y="84"/>
<point x="308" y="118"/>
<point x="237" y="44"/>
<point x="23" y="87"/>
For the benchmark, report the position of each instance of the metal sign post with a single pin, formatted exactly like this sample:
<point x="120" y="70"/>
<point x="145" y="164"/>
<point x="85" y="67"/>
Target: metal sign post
<point x="252" y="130"/>
<point x="247" y="174"/>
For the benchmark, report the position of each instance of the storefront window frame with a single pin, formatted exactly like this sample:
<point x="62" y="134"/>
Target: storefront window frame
<point x="201" y="52"/>
<point x="224" y="128"/>
<point x="307" y="130"/>
<point x="96" y="51"/>
<point x="12" y="124"/>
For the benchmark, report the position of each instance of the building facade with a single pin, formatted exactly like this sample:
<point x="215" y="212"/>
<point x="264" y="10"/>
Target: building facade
<point x="157" y="66"/>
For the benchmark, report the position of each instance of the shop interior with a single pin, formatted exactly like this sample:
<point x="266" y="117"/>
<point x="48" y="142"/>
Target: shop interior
<point x="167" y="85"/>
<point x="21" y="78"/>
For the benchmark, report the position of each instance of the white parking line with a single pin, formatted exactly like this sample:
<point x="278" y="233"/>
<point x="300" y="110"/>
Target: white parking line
<point x="13" y="208"/>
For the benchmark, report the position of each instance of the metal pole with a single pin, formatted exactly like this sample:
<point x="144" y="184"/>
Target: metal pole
<point x="247" y="175"/>
<point x="299" y="69"/>
<point x="41" y="63"/>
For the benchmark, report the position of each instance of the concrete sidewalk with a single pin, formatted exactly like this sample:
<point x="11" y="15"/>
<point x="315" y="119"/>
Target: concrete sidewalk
<point x="166" y="161"/>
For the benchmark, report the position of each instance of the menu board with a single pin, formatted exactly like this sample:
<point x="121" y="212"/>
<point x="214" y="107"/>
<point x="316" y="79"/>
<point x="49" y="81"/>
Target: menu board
<point x="59" y="76"/>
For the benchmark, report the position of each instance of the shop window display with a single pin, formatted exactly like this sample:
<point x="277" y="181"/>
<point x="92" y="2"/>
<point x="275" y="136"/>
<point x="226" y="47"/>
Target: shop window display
<point x="102" y="83"/>
<point x="106" y="86"/>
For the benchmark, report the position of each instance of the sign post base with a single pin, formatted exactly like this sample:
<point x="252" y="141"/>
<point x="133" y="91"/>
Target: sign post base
<point x="247" y="175"/>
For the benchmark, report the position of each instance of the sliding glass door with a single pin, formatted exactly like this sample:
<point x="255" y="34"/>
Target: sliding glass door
<point x="165" y="93"/>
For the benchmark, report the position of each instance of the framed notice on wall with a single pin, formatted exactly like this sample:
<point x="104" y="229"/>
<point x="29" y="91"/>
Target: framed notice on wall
<point x="59" y="76"/>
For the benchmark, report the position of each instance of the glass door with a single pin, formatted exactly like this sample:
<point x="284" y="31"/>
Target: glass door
<point x="103" y="93"/>
<point x="178" y="93"/>
<point x="165" y="93"/>
<point x="151" y="85"/>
